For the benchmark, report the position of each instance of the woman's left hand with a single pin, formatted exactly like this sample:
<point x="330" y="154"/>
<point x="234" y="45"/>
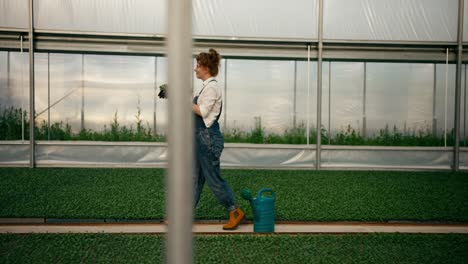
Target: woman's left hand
<point x="196" y="109"/>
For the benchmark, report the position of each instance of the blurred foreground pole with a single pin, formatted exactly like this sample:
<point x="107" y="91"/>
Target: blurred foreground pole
<point x="456" y="149"/>
<point x="179" y="179"/>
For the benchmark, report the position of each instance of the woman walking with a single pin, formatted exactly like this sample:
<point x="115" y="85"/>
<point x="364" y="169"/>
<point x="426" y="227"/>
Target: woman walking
<point x="209" y="143"/>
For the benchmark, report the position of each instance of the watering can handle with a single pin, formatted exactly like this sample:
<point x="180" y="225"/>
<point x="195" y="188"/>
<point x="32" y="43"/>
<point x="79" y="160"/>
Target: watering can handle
<point x="264" y="190"/>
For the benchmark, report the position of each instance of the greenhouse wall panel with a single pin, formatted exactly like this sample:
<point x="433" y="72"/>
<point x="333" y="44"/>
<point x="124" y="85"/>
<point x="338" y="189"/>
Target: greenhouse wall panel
<point x="107" y="155"/>
<point x="268" y="156"/>
<point x="14" y="13"/>
<point x="306" y="95"/>
<point x="67" y="89"/>
<point x="41" y="86"/>
<point x="465" y="22"/>
<point x="113" y="16"/>
<point x="263" y="89"/>
<point x="296" y="19"/>
<point x="245" y="19"/>
<point x="14" y="90"/>
<point x="118" y="86"/>
<point x="445" y="97"/>
<point x="386" y="158"/>
<point x="399" y="96"/>
<point x="343" y="92"/>
<point x="464" y="158"/>
<point x="397" y="20"/>
<point x="14" y="153"/>
<point x="134" y="154"/>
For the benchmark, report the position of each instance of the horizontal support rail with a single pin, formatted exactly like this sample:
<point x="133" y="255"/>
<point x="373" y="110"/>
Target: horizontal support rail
<point x="260" y="48"/>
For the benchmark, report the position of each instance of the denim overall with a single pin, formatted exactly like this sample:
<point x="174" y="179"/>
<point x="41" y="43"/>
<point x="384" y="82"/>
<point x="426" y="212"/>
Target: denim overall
<point x="209" y="144"/>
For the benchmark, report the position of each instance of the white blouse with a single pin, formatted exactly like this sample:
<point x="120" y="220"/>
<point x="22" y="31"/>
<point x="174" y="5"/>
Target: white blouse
<point x="209" y="101"/>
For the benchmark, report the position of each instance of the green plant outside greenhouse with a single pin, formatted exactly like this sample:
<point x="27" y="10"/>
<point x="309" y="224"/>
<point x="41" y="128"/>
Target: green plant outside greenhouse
<point x="11" y="129"/>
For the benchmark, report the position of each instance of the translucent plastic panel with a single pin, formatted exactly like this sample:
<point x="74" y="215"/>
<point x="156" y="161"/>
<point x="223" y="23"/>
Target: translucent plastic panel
<point x="15" y="89"/>
<point x="3" y="74"/>
<point x="260" y="90"/>
<point x="41" y="86"/>
<point x="259" y="19"/>
<point x="14" y="13"/>
<point x="399" y="95"/>
<point x="325" y="96"/>
<point x="67" y="91"/>
<point x="384" y="159"/>
<point x="303" y="95"/>
<point x="118" y="85"/>
<point x="344" y="86"/>
<point x="122" y="16"/>
<point x="445" y="105"/>
<point x="414" y="20"/>
<point x="14" y="95"/>
<point x="465" y="22"/>
<point x="464" y="109"/>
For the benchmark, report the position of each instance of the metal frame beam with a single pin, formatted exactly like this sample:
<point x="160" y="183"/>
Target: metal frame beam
<point x="464" y="109"/>
<point x="83" y="83"/>
<point x="150" y="45"/>
<point x="364" y="101"/>
<point x="32" y="157"/>
<point x="329" y="102"/>
<point x="8" y="75"/>
<point x="155" y="98"/>
<point x="434" y="102"/>
<point x="295" y="95"/>
<point x="319" y="88"/>
<point x="456" y="149"/>
<point x="225" y="95"/>
<point x="48" y="96"/>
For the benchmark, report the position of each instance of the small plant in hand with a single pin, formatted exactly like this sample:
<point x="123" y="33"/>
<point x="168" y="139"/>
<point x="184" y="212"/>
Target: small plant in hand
<point x="163" y="91"/>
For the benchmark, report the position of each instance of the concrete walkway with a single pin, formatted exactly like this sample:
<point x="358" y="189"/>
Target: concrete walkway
<point x="200" y="228"/>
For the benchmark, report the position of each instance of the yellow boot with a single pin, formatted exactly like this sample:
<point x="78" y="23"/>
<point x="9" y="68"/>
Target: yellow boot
<point x="235" y="218"/>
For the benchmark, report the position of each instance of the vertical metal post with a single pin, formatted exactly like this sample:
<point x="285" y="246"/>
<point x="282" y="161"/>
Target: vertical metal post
<point x="48" y="95"/>
<point x="458" y="87"/>
<point x="364" y="95"/>
<point x="434" y="97"/>
<point x="22" y="91"/>
<point x="180" y="153"/>
<point x="445" y="97"/>
<point x="225" y="96"/>
<point x="32" y="158"/>
<point x="329" y="102"/>
<point x="319" y="86"/>
<point x="82" y="92"/>
<point x="155" y="98"/>
<point x="295" y="95"/>
<point x="464" y="112"/>
<point x="8" y="76"/>
<point x="308" y="96"/>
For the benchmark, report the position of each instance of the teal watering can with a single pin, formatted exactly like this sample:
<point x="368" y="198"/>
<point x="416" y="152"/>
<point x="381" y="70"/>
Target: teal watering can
<point x="263" y="207"/>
